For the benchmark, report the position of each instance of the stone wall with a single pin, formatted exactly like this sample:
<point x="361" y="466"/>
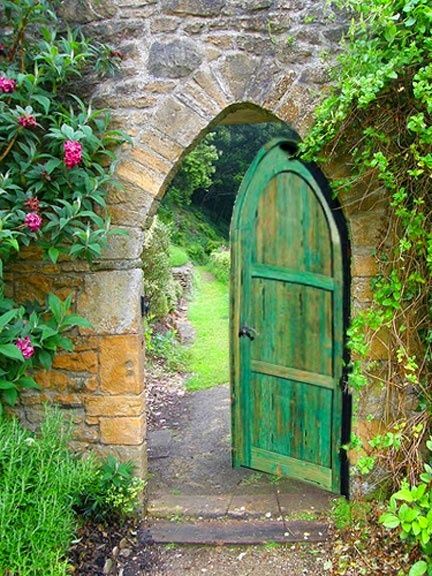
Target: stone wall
<point x="187" y="65"/>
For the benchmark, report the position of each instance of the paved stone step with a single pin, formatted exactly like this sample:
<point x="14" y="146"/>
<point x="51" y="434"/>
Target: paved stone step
<point x="268" y="506"/>
<point x="233" y="532"/>
<point x="214" y="506"/>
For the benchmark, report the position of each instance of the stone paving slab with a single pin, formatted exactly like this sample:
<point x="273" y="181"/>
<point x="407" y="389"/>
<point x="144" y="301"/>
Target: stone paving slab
<point x="236" y="532"/>
<point x="204" y="506"/>
<point x="252" y="506"/>
<point x="309" y="503"/>
<point x="159" y="444"/>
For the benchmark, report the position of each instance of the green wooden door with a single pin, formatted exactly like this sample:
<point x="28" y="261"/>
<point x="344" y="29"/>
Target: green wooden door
<point x="286" y="323"/>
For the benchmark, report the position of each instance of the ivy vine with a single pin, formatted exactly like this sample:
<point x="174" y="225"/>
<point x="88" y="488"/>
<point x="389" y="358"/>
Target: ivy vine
<point x="379" y="115"/>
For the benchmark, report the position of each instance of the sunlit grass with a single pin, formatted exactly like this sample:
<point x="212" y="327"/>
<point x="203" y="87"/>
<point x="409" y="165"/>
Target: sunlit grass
<point x="178" y="256"/>
<point x="209" y="315"/>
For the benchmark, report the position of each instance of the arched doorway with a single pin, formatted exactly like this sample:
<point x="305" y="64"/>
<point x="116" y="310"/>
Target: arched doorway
<point x="323" y="243"/>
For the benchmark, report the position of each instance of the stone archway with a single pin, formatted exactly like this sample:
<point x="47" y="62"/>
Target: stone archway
<point x="188" y="64"/>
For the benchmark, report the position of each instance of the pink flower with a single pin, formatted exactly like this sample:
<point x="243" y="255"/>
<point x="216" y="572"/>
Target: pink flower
<point x="33" y="221"/>
<point x="72" y="153"/>
<point x="25" y="345"/>
<point x="7" y="84"/>
<point x="27" y="121"/>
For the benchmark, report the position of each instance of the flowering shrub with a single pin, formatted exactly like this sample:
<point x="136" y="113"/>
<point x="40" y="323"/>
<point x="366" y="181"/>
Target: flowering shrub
<point x="56" y="162"/>
<point x="220" y="264"/>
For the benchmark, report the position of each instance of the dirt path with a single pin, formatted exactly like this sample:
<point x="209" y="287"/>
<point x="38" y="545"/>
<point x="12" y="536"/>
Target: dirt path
<point x="190" y="465"/>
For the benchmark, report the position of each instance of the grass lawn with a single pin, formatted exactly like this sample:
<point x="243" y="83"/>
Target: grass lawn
<point x="209" y="315"/>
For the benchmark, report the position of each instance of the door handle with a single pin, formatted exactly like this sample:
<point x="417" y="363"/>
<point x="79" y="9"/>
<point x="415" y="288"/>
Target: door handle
<point x="246" y="331"/>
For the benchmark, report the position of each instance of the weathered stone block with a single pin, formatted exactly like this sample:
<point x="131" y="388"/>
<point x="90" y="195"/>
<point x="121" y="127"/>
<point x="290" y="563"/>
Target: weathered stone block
<point x="124" y="431"/>
<point x="136" y="454"/>
<point x="238" y="71"/>
<point x="73" y="403"/>
<point x="114" y="406"/>
<point x="77" y="361"/>
<point x="124" y="215"/>
<point x="164" y="24"/>
<point x="134" y="173"/>
<point x="127" y="246"/>
<point x="193" y="7"/>
<point x="361" y="289"/>
<point x="83" y="433"/>
<point x="160" y="143"/>
<point x="222" y="41"/>
<point x="35" y="287"/>
<point x="381" y="348"/>
<point x="366" y="228"/>
<point x="122" y="364"/>
<point x="53" y="379"/>
<point x="208" y="82"/>
<point x="174" y="59"/>
<point x="252" y="5"/>
<point x="178" y="122"/>
<point x="194" y="97"/>
<point x="111" y="301"/>
<point x="92" y="420"/>
<point x="150" y="160"/>
<point x="363" y="265"/>
<point x="84" y="11"/>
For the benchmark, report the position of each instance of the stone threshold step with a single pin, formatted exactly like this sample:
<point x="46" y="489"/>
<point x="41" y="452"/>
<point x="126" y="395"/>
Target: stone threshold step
<point x="232" y="532"/>
<point x="214" y="506"/>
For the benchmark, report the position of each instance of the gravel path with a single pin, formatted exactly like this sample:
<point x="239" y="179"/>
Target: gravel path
<point x="269" y="560"/>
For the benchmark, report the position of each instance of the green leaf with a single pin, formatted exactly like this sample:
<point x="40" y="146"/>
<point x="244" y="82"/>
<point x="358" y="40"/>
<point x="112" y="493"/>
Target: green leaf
<point x="404" y="494"/>
<point x="390" y="520"/>
<point x="7" y="317"/>
<point x="11" y="351"/>
<point x="5" y="385"/>
<point x="45" y="359"/>
<point x="53" y="254"/>
<point x="65" y="343"/>
<point x="10" y="396"/>
<point x="52" y="165"/>
<point x="43" y="101"/>
<point x="418" y="569"/>
<point x="55" y="305"/>
<point x="47" y="332"/>
<point x="75" y="320"/>
<point x="28" y="382"/>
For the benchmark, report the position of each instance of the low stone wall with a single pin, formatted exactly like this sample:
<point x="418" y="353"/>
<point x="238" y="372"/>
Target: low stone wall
<point x="100" y="385"/>
<point x="184" y="275"/>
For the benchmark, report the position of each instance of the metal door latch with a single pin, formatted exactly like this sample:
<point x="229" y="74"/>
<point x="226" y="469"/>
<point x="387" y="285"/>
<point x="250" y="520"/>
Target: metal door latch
<point x="246" y="331"/>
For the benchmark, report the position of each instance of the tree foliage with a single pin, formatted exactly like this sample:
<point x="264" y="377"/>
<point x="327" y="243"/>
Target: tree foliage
<point x="195" y="173"/>
<point x="237" y="146"/>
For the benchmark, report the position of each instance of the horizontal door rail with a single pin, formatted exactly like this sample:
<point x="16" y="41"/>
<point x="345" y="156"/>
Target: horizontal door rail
<point x="292" y="276"/>
<point x="320" y="380"/>
<point x="281" y="465"/>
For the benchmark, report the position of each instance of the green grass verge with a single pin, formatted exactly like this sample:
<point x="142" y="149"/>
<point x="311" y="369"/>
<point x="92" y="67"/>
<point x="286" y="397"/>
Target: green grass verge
<point x="40" y="481"/>
<point x="209" y="315"/>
